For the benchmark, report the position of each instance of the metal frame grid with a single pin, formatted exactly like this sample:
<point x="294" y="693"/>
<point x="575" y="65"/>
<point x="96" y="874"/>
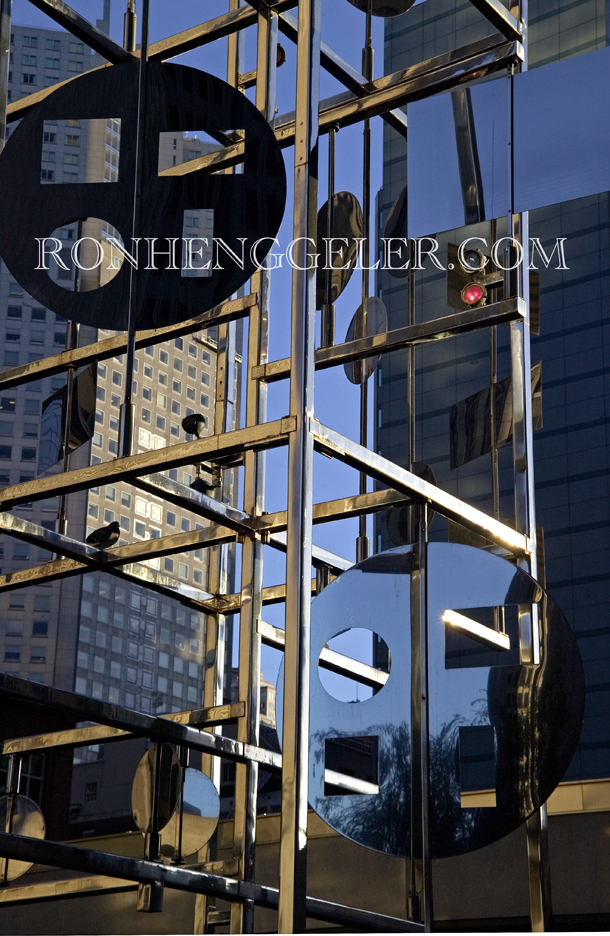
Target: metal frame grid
<point x="301" y="433"/>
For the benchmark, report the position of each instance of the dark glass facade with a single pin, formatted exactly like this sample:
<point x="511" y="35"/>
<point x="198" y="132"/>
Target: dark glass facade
<point x="571" y="449"/>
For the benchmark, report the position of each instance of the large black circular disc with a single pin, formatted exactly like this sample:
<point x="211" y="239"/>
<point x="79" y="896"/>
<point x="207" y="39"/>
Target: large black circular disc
<point x="246" y="205"/>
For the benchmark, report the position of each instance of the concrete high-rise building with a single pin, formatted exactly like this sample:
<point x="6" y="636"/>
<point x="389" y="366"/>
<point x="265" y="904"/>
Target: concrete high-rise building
<point x="96" y="634"/>
<point x="571" y="468"/>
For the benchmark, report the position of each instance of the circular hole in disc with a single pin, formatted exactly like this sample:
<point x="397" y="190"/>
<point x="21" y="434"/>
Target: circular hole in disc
<point x="91" y="242"/>
<point x="358" y="645"/>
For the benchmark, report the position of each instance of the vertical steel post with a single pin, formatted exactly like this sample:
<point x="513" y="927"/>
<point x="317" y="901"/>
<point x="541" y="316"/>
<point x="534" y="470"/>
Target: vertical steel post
<point x="5" y="57"/>
<point x="127" y="407"/>
<point x="13" y="776"/>
<point x="327" y="315"/>
<point x="420" y="897"/>
<point x="362" y="543"/>
<point x="248" y="727"/>
<point x="219" y="559"/>
<point x="525" y="514"/>
<point x="293" y="836"/>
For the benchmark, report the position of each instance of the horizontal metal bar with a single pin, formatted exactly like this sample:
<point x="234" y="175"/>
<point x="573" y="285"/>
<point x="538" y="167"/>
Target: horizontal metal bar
<point x="201" y="504"/>
<point x="334" y="444"/>
<point x="341" y="509"/>
<point x="214" y="29"/>
<point x="79" y="737"/>
<point x="266" y="435"/>
<point x="350" y="784"/>
<point x="76" y="24"/>
<point x="217" y="715"/>
<point x="500" y="17"/>
<point x="410" y="84"/>
<point x="459" y="323"/>
<point x="271" y="594"/>
<point x="486" y="635"/>
<point x="147" y="726"/>
<point x="59" y="855"/>
<point x="64" y="890"/>
<point x="342" y="71"/>
<point x="319" y="556"/>
<point x="329" y="659"/>
<point x="111" y="347"/>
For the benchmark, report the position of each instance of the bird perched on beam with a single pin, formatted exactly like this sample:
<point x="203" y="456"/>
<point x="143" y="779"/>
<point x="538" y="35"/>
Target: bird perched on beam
<point x="195" y="424"/>
<point x="106" y="536"/>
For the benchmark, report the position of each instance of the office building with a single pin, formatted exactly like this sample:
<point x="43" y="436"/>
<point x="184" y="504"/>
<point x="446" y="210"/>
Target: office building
<point x="96" y="634"/>
<point x="570" y="450"/>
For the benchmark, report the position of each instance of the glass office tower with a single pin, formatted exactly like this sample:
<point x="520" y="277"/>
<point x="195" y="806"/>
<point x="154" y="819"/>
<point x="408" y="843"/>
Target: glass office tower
<point x="570" y="449"/>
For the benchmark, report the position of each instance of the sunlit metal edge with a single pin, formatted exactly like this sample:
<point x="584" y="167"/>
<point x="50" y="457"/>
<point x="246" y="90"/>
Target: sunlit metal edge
<point x="447" y="327"/>
<point x="335" y="444"/>
<point x="111" y="347"/>
<point x="64" y="890"/>
<point x="478" y="631"/>
<point x="350" y="784"/>
<point x="265" y="435"/>
<point x="329" y="659"/>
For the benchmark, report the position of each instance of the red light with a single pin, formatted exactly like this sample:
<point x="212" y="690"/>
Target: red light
<point x="473" y="293"/>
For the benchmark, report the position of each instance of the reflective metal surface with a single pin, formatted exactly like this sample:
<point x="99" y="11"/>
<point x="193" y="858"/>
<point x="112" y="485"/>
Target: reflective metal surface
<point x="248" y="205"/>
<point x="385" y="8"/>
<point x="200" y="812"/>
<point x="53" y="421"/>
<point x="470" y="419"/>
<point x="533" y="714"/>
<point x="396" y="228"/>
<point x="22" y="816"/>
<point x="347" y="226"/>
<point x="560" y="122"/>
<point x="142" y="789"/>
<point x="377" y="324"/>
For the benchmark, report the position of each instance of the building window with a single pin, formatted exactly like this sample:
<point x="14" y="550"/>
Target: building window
<point x="13" y="312"/>
<point x="175" y="408"/>
<point x="124" y="523"/>
<point x="93" y="511"/>
<point x="162" y="378"/>
<point x="147" y="393"/>
<point x="131" y="674"/>
<point x="20" y="551"/>
<point x="28" y="454"/>
<point x="108" y="516"/>
<point x="205" y="400"/>
<point x="164" y="357"/>
<point x="125" y="499"/>
<point x="205" y="379"/>
<point x="30" y="42"/>
<point x="90" y="792"/>
<point x="205" y="357"/>
<point x="168" y="564"/>
<point x="40" y="628"/>
<point x="97" y="439"/>
<point x="192" y="372"/>
<point x="42" y="603"/>
<point x="178" y="365"/>
<point x="161" y="400"/>
<point x="100" y="394"/>
<point x="145" y="415"/>
<point x="161" y="423"/>
<point x="38" y="655"/>
<point x="179" y="344"/>
<point x="30" y="429"/>
<point x="190" y="393"/>
<point x="101" y="371"/>
<point x="197" y="577"/>
<point x="117" y="379"/>
<point x="183" y="570"/>
<point x="140" y="529"/>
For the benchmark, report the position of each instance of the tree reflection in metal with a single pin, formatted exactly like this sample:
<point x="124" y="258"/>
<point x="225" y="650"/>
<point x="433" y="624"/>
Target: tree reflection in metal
<point x="535" y="711"/>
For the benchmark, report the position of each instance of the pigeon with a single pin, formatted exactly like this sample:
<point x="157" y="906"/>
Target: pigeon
<point x="106" y="536"/>
<point x="195" y="424"/>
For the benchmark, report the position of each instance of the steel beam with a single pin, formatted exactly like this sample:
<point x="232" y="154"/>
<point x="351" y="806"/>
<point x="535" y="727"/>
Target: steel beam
<point x="110" y="347"/>
<point x="59" y="855"/>
<point x="459" y="323"/>
<point x="76" y="24"/>
<point x="500" y="17"/>
<point x="267" y="435"/>
<point x="410" y="84"/>
<point x="146" y="726"/>
<point x="339" y="446"/>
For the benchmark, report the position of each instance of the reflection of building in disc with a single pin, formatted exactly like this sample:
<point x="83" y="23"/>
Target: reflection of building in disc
<point x="200" y="812"/>
<point x="26" y="819"/>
